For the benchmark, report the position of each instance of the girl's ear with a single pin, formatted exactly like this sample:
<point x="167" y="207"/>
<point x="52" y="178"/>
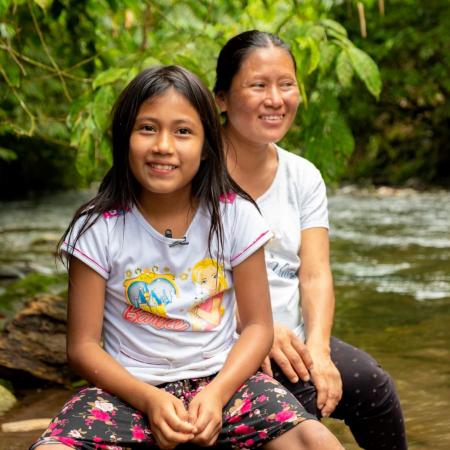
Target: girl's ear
<point x="221" y="102"/>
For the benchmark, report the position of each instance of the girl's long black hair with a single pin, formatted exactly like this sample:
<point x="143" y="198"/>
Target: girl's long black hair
<point x="119" y="188"/>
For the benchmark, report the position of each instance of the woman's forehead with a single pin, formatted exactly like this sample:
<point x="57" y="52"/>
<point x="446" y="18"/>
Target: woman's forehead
<point x="265" y="60"/>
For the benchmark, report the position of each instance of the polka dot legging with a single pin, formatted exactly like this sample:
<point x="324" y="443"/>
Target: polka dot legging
<point x="369" y="406"/>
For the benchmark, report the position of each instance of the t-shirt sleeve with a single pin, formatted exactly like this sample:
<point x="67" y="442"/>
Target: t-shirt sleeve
<point x="314" y="205"/>
<point x="248" y="231"/>
<point x="91" y="247"/>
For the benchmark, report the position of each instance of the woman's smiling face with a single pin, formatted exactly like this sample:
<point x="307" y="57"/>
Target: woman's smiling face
<point x="263" y="98"/>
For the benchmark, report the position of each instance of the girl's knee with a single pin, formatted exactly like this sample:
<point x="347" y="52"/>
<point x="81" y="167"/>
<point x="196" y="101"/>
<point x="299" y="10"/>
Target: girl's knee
<point x="52" y="447"/>
<point x="314" y="435"/>
<point x="308" y="435"/>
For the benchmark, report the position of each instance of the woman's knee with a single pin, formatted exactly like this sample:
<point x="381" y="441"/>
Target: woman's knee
<point x="367" y="388"/>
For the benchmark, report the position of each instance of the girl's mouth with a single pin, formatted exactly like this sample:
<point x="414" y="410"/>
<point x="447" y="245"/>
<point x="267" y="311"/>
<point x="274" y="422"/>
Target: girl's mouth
<point x="163" y="167"/>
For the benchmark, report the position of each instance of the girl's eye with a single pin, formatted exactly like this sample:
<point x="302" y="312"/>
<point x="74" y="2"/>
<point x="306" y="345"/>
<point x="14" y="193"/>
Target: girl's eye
<point x="148" y="128"/>
<point x="184" y="131"/>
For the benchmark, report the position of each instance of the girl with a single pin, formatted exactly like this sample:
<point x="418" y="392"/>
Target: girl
<point x="257" y="92"/>
<point x="167" y="204"/>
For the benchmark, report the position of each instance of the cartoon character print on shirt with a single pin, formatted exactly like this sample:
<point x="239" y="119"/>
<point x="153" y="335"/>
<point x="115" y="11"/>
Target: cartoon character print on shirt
<point x="148" y="294"/>
<point x="210" y="280"/>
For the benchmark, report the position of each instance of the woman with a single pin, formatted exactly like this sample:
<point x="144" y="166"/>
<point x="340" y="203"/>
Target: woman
<point x="257" y="94"/>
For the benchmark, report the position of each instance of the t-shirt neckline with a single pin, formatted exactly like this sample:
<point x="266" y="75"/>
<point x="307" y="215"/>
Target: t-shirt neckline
<point x="155" y="233"/>
<point x="275" y="178"/>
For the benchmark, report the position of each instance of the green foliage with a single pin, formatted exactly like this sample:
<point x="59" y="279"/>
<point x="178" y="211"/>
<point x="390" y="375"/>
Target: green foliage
<point x="63" y="63"/>
<point x="17" y="293"/>
<point x="403" y="138"/>
<point x="7" y="154"/>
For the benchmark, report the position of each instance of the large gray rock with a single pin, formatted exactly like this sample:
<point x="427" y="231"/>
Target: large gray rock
<point x="34" y="341"/>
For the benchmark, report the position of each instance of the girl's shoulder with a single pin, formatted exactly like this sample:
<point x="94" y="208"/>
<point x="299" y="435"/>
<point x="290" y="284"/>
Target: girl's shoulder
<point x="235" y="208"/>
<point x="232" y="201"/>
<point x="97" y="222"/>
<point x="114" y="213"/>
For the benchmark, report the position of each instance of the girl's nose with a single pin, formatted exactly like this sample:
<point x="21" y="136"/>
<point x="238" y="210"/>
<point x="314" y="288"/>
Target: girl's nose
<point x="163" y="143"/>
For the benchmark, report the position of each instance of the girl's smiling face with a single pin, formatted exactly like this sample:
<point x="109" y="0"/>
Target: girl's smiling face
<point x="166" y="144"/>
<point x="263" y="98"/>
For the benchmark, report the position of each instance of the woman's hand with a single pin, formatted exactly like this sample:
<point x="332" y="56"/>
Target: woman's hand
<point x="205" y="412"/>
<point x="298" y="360"/>
<point x="290" y="353"/>
<point x="168" y="420"/>
<point x="327" y="380"/>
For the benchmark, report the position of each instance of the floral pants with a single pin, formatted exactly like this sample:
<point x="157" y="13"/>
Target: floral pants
<point x="258" y="412"/>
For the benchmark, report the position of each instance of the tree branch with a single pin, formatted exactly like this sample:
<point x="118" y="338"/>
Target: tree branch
<point x="44" y="45"/>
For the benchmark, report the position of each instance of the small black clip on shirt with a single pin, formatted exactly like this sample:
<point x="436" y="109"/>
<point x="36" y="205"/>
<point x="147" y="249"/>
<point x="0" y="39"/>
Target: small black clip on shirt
<point x="183" y="241"/>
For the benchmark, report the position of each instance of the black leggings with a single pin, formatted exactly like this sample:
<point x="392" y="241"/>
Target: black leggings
<point x="369" y="405"/>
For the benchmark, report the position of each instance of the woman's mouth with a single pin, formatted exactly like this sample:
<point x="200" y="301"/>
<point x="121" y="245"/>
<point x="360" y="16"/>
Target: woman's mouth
<point x="272" y="117"/>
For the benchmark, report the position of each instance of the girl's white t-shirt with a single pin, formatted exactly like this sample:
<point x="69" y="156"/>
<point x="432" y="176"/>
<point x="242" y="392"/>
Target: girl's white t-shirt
<point x="295" y="201"/>
<point x="169" y="311"/>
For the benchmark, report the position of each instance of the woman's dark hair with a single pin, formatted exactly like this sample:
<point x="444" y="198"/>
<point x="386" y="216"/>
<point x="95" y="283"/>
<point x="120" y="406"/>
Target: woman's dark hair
<point x="119" y="188"/>
<point x="237" y="49"/>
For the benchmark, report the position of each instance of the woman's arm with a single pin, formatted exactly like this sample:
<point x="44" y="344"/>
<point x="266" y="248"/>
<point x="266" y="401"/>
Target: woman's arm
<point x="317" y="297"/>
<point x="85" y="354"/>
<point x="253" y="302"/>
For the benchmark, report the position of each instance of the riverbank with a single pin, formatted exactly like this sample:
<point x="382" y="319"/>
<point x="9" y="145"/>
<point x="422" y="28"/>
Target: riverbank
<point x="390" y="252"/>
<point x="33" y="403"/>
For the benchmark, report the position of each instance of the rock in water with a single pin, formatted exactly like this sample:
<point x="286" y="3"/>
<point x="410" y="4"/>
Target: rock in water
<point x="7" y="400"/>
<point x="34" y="341"/>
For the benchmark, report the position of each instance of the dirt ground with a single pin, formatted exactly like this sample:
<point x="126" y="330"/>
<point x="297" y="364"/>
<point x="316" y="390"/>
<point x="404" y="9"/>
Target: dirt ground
<point x="37" y="403"/>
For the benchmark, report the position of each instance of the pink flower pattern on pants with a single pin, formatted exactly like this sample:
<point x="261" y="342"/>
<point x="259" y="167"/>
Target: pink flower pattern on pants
<point x="258" y="412"/>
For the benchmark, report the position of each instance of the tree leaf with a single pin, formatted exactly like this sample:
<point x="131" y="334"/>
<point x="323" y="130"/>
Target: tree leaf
<point x="44" y="4"/>
<point x="109" y="76"/>
<point x="4" y="5"/>
<point x="366" y="69"/>
<point x="105" y="150"/>
<point x="334" y="27"/>
<point x="85" y="160"/>
<point x="344" y="69"/>
<point x="308" y="54"/>
<point x="104" y="99"/>
<point x="7" y="155"/>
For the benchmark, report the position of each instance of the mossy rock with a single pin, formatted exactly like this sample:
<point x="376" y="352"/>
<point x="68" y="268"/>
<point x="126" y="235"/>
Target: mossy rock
<point x="7" y="400"/>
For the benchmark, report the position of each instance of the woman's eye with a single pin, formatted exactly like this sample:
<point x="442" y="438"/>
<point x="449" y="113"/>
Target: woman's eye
<point x="287" y="84"/>
<point x="184" y="131"/>
<point x="258" y="84"/>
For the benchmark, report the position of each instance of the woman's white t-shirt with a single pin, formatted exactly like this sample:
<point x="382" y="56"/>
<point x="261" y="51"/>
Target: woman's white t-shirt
<point x="295" y="201"/>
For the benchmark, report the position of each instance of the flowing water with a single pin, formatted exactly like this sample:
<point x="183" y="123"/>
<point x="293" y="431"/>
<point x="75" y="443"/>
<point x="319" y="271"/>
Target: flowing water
<point x="391" y="263"/>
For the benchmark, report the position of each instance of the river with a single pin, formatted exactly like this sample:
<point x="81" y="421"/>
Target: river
<point x="391" y="264"/>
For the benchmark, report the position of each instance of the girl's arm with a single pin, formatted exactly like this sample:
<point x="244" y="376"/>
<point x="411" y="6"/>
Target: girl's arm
<point x="255" y="340"/>
<point x="318" y="302"/>
<point x="167" y="415"/>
